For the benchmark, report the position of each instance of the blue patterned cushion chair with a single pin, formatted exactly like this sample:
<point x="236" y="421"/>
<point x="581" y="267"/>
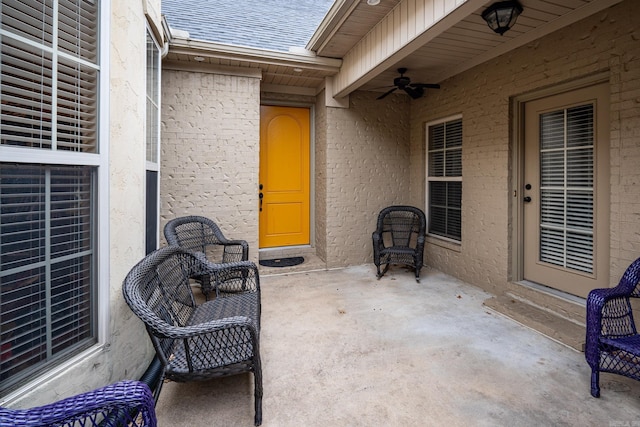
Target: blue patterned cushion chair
<point x="201" y="234"/>
<point x="399" y="238"/>
<point x="125" y="403"/>
<point x="612" y="341"/>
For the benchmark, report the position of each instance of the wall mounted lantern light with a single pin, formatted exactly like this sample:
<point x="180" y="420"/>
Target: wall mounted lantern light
<point x="502" y="15"/>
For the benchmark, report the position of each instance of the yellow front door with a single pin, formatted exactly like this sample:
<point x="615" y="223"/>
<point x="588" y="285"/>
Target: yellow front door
<point x="284" y="176"/>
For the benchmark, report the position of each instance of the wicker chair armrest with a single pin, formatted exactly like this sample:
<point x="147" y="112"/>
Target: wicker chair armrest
<point x="599" y="298"/>
<point x="376" y="236"/>
<point x="599" y="324"/>
<point x="121" y="403"/>
<point x="191" y="331"/>
<point x="243" y="272"/>
<point x="235" y="250"/>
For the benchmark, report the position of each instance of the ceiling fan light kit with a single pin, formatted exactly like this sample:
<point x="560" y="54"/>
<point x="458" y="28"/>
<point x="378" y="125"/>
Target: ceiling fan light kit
<point x="414" y="90"/>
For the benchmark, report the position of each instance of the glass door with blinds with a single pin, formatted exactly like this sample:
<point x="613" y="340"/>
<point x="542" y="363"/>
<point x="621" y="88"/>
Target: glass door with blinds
<point x="566" y="198"/>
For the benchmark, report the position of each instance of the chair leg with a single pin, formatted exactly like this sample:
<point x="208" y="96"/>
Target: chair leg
<point x="595" y="383"/>
<point x="205" y="285"/>
<point x="386" y="267"/>
<point x="418" y="275"/>
<point x="257" y="378"/>
<point x="156" y="393"/>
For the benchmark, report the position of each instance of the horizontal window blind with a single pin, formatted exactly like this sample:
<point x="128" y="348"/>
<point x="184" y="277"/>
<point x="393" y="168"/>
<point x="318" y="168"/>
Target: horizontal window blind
<point x="153" y="99"/>
<point x="32" y="19"/>
<point x="78" y="28"/>
<point x="49" y="84"/>
<point x="445" y="179"/>
<point x="567" y="193"/>
<point x="46" y="254"/>
<point x="444" y="209"/>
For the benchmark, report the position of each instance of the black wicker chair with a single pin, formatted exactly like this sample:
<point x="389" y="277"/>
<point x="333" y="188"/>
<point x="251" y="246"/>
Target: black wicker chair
<point x="399" y="238"/>
<point x="197" y="342"/>
<point x="613" y="343"/>
<point x="201" y="234"/>
<point x="125" y="403"/>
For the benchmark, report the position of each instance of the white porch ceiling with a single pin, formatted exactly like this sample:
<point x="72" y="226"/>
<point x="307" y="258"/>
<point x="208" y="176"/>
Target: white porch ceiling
<point x="447" y="51"/>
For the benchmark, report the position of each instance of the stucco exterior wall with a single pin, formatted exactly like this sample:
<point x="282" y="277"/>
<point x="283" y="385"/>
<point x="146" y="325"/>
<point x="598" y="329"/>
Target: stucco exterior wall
<point x="210" y="151"/>
<point x="605" y="42"/>
<point x="320" y="178"/>
<point x="125" y="350"/>
<point x="367" y="168"/>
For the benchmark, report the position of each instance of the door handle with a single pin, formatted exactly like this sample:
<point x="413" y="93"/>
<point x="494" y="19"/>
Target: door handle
<point x="527" y="199"/>
<point x="261" y="196"/>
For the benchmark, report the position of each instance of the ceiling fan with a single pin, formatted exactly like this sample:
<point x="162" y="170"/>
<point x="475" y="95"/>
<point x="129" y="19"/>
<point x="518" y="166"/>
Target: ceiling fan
<point x="415" y="90"/>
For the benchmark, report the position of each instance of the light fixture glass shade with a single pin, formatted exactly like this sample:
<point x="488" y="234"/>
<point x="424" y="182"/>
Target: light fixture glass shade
<point x="373" y="2"/>
<point x="502" y="16"/>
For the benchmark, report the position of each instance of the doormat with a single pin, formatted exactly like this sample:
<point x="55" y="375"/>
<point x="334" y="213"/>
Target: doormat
<point x="282" y="262"/>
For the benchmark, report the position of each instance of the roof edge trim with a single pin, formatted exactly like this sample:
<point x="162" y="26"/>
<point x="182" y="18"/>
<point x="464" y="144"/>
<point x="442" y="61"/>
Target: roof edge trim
<point x="332" y="21"/>
<point x="258" y="56"/>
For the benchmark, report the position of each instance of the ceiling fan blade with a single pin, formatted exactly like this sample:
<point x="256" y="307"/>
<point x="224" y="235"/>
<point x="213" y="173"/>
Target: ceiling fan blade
<point x="382" y="87"/>
<point x="426" y="85"/>
<point x="414" y="92"/>
<point x="386" y="93"/>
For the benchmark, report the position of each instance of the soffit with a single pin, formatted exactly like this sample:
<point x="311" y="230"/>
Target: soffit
<point x="445" y="52"/>
<point x="277" y="69"/>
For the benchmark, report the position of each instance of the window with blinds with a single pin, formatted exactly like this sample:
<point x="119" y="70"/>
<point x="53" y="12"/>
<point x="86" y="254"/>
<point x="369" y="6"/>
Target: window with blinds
<point x="49" y="76"/>
<point x="49" y="81"/>
<point x="445" y="179"/>
<point x="567" y="188"/>
<point x="153" y="99"/>
<point x="152" y="130"/>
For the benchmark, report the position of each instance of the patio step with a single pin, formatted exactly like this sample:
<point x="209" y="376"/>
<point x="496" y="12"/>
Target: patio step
<point x="559" y="328"/>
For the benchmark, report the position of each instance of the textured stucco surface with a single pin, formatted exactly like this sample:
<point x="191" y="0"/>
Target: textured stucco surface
<point x="210" y="151"/>
<point x="367" y="168"/>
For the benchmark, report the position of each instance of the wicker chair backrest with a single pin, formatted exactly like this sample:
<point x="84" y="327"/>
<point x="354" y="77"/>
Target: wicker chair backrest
<point x="159" y="287"/>
<point x="195" y="233"/>
<point x="630" y="280"/>
<point x="403" y="224"/>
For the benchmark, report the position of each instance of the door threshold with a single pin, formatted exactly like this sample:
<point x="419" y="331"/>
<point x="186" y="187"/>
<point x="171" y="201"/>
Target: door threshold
<point x="552" y="292"/>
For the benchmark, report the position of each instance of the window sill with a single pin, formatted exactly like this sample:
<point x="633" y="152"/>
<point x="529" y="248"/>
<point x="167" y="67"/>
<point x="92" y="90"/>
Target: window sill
<point x="53" y="374"/>
<point x="445" y="243"/>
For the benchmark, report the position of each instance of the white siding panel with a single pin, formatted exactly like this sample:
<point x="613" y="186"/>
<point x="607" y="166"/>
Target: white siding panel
<point x="409" y="20"/>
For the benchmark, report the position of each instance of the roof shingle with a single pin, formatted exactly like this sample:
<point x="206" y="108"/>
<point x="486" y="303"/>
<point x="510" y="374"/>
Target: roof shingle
<point x="263" y="24"/>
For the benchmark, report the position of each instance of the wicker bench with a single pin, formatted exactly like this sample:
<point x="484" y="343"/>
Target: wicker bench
<point x="613" y="342"/>
<point x="195" y="341"/>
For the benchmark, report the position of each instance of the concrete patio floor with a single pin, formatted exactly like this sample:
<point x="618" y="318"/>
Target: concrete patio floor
<point x="340" y="348"/>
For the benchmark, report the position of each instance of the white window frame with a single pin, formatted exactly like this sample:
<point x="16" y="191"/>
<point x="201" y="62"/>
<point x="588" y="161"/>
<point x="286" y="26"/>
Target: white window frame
<point x="99" y="160"/>
<point x="428" y="179"/>
<point x="151" y="165"/>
